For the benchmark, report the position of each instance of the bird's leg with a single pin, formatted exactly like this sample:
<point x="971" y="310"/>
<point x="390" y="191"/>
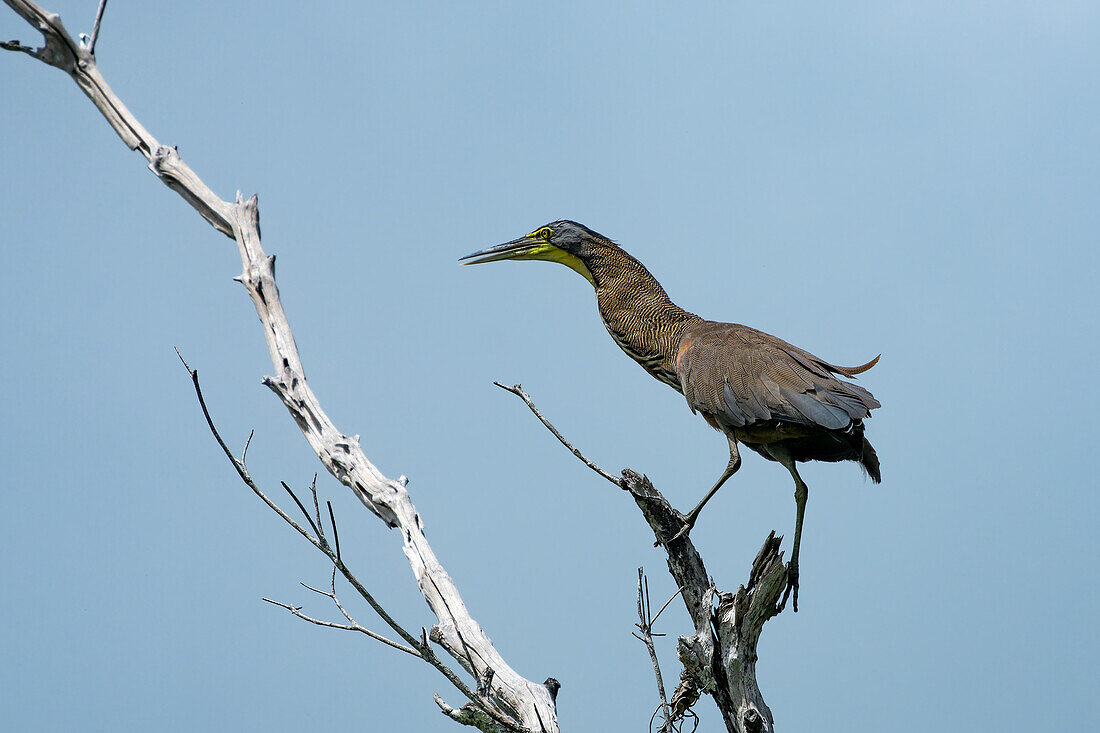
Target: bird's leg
<point x="801" y="493"/>
<point x="731" y="468"/>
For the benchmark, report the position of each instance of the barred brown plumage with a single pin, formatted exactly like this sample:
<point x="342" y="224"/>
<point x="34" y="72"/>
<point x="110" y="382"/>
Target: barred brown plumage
<point x="779" y="400"/>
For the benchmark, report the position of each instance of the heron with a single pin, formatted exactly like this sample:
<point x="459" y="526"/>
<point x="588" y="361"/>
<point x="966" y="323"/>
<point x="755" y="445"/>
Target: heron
<point x="758" y="390"/>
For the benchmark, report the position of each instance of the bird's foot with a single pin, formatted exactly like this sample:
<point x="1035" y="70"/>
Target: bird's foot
<point x="689" y="522"/>
<point x="792" y="587"/>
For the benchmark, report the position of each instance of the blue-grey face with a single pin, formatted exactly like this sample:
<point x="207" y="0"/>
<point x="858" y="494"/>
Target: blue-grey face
<point x="570" y="236"/>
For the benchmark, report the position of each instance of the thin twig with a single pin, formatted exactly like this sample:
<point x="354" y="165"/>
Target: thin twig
<point x="648" y="608"/>
<point x="318" y="591"/>
<point x="335" y="532"/>
<point x="304" y="512"/>
<point x="645" y="625"/>
<point x="353" y="625"/>
<point x="316" y="508"/>
<point x="244" y="453"/>
<point x="237" y="465"/>
<point x="517" y="390"/>
<point x="297" y="611"/>
<point x="336" y="598"/>
<point x="670" y="600"/>
<point x="95" y="26"/>
<point x="654" y="715"/>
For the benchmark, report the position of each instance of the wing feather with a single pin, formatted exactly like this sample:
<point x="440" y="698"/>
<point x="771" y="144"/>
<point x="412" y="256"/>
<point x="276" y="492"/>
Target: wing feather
<point x="742" y="376"/>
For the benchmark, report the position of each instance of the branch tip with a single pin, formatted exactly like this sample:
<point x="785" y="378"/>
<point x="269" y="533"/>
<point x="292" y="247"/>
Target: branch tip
<point x="183" y="361"/>
<point x="14" y="45"/>
<point x="320" y="526"/>
<point x="90" y="45"/>
<point x="335" y="532"/>
<point x="518" y="391"/>
<point x="248" y="442"/>
<point x="304" y="512"/>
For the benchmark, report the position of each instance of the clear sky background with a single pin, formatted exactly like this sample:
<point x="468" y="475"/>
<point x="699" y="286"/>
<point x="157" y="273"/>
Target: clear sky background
<point x="918" y="179"/>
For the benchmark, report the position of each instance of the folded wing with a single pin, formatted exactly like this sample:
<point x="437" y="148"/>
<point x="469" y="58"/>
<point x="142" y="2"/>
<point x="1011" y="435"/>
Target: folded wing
<point x="742" y="377"/>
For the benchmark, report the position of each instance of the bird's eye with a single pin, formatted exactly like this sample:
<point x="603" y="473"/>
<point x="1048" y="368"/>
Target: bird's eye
<point x="545" y="233"/>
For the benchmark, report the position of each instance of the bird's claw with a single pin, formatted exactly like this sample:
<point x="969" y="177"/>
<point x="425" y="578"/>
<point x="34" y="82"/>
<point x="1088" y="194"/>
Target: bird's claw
<point x="689" y="522"/>
<point x="792" y="587"/>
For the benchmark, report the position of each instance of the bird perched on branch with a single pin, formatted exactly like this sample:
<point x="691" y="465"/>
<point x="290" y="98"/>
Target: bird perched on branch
<point x="779" y="400"/>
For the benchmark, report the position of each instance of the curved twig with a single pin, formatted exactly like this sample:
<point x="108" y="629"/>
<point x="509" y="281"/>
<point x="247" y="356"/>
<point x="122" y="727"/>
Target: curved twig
<point x="517" y="390"/>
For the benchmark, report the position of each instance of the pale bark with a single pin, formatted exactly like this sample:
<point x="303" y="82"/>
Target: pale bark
<point x="529" y="705"/>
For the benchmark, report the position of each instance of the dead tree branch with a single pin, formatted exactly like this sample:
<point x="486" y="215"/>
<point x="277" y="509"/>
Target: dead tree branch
<point x="530" y="704"/>
<point x="720" y="657"/>
<point x="517" y="390"/>
<point x="351" y="625"/>
<point x="420" y="647"/>
<point x="95" y="26"/>
<point x="645" y="627"/>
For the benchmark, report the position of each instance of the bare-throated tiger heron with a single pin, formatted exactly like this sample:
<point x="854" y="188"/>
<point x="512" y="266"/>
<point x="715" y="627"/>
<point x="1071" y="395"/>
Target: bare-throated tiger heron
<point x="779" y="400"/>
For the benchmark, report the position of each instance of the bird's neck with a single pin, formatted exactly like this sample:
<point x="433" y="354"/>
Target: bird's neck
<point x="638" y="313"/>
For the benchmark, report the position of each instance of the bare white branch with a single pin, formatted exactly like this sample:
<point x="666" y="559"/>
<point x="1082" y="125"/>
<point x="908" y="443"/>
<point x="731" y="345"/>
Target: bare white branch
<point x="488" y="706"/>
<point x="17" y="46"/>
<point x="529" y="703"/>
<point x="95" y="26"/>
<point x="472" y="716"/>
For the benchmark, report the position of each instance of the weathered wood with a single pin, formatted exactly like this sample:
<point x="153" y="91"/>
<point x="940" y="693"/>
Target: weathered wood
<point x="530" y="704"/>
<point x="720" y="657"/>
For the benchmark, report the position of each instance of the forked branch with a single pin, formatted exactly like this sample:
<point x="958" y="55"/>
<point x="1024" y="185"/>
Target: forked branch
<point x="720" y="657"/>
<point x="645" y="635"/>
<point x="419" y="647"/>
<point x="351" y="625"/>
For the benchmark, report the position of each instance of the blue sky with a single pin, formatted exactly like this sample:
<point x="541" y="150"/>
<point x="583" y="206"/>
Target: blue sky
<point x="918" y="180"/>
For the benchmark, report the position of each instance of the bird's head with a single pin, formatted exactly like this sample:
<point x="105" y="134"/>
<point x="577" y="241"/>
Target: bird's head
<point x="567" y="242"/>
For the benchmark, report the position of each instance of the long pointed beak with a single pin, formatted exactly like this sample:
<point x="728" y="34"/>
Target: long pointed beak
<point x="507" y="251"/>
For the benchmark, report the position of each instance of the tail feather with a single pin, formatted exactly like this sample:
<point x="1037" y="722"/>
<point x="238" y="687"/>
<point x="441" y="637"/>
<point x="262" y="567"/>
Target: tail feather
<point x="852" y="371"/>
<point x="869" y="460"/>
